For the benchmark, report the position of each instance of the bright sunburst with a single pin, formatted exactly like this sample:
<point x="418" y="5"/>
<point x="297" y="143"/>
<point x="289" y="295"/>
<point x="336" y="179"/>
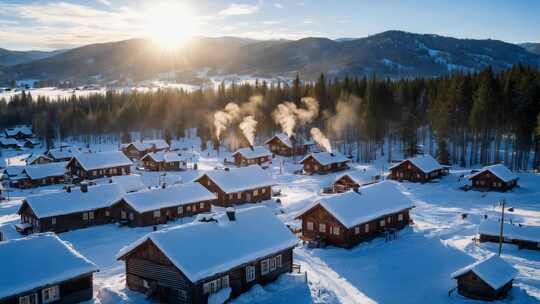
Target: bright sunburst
<point x="169" y="24"/>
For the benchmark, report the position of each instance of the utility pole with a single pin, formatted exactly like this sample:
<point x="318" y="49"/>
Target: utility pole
<point x="501" y="233"/>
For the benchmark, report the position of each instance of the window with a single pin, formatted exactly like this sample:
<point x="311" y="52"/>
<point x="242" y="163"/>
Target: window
<point x="157" y="213"/>
<point x="382" y="223"/>
<point x="208" y="183"/>
<point x="215" y="285"/>
<point x="94" y="173"/>
<point x="131" y="216"/>
<point x="255" y="192"/>
<point x="309" y="225"/>
<point x="188" y="208"/>
<point x="334" y="230"/>
<point x="123" y="215"/>
<point x="250" y="273"/>
<point x="366" y="228"/>
<point x="107" y="213"/>
<point x="239" y="195"/>
<point x="50" y="294"/>
<point x="389" y="219"/>
<point x="180" y="210"/>
<point x="182" y="295"/>
<point x="91" y="215"/>
<point x="272" y="264"/>
<point x="263" y="190"/>
<point x="29" y="299"/>
<point x="265" y="267"/>
<point x="85" y="216"/>
<point x="278" y="261"/>
<point x="400" y="217"/>
<point x="53" y="221"/>
<point x="231" y="196"/>
<point x="201" y="205"/>
<point x="322" y="227"/>
<point x="357" y="230"/>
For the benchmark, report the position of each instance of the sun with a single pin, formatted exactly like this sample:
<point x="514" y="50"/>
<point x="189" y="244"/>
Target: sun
<point x="169" y="25"/>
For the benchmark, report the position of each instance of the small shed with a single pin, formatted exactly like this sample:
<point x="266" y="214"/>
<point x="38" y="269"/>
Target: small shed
<point x="421" y="168"/>
<point x="353" y="180"/>
<point x="284" y="145"/>
<point x="495" y="177"/>
<point x="488" y="279"/>
<point x="251" y="156"/>
<point x="324" y="162"/>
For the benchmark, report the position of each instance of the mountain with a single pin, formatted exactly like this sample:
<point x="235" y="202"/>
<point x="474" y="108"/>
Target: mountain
<point x="391" y="54"/>
<point x="8" y="57"/>
<point x="531" y="47"/>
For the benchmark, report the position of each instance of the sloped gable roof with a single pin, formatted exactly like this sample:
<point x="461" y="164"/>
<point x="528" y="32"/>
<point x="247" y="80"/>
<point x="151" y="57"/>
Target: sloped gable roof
<point x="240" y="179"/>
<point x="493" y="270"/>
<point x="499" y="170"/>
<point x="256" y="152"/>
<point x="46" y="170"/>
<point x="327" y="158"/>
<point x="101" y="160"/>
<point x="426" y="163"/>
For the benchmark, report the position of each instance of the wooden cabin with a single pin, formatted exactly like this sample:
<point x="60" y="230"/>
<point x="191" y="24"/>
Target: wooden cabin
<point x="160" y="205"/>
<point x="324" y="163"/>
<point x="138" y="149"/>
<point x="44" y="269"/>
<point x="38" y="159"/>
<point x="41" y="175"/>
<point x="31" y="143"/>
<point x="70" y="209"/>
<point x="496" y="177"/>
<point x="349" y="218"/>
<point x="9" y="143"/>
<point x="238" y="185"/>
<point x="163" y="161"/>
<point x="257" y="155"/>
<point x="62" y="154"/>
<point x="355" y="179"/>
<point x="525" y="237"/>
<point x="100" y="164"/>
<point x="161" y="266"/>
<point x="421" y="168"/>
<point x="488" y="280"/>
<point x="19" y="132"/>
<point x="284" y="145"/>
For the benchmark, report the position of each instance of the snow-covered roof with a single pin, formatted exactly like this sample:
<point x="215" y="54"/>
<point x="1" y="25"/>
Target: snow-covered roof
<point x="171" y="179"/>
<point x="360" y="177"/>
<point x="514" y="232"/>
<point x="499" y="170"/>
<point x="8" y="141"/>
<point x="493" y="270"/>
<point x="374" y="201"/>
<point x="100" y="160"/>
<point x="256" y="152"/>
<point x="283" y="138"/>
<point x="327" y="158"/>
<point x="144" y="145"/>
<point x="23" y="130"/>
<point x="45" y="170"/>
<point x="34" y="157"/>
<point x="216" y="247"/>
<point x="426" y="163"/>
<point x="39" y="260"/>
<point x="14" y="170"/>
<point x="129" y="183"/>
<point x="157" y="198"/>
<point x="163" y="156"/>
<point x="65" y="152"/>
<point x="63" y="202"/>
<point x="240" y="179"/>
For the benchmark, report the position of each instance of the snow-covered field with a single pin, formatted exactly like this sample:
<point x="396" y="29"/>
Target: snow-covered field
<point x="415" y="268"/>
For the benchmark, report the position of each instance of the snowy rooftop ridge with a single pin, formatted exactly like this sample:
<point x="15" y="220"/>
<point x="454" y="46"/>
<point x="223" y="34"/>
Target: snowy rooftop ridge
<point x="144" y="145"/>
<point x="129" y="183"/>
<point x="100" y="160"/>
<point x="267" y="235"/>
<point x="240" y="179"/>
<point x="426" y="163"/>
<point x="24" y="263"/>
<point x="33" y="157"/>
<point x="360" y="176"/>
<point x="45" y="170"/>
<point x="493" y="270"/>
<point x="22" y="129"/>
<point x="157" y="198"/>
<point x="283" y="138"/>
<point x="256" y="152"/>
<point x="8" y="141"/>
<point x="162" y="156"/>
<point x="326" y="158"/>
<point x="499" y="170"/>
<point x="514" y="232"/>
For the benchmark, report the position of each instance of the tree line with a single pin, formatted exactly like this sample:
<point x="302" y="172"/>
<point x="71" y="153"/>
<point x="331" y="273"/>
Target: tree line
<point x="463" y="118"/>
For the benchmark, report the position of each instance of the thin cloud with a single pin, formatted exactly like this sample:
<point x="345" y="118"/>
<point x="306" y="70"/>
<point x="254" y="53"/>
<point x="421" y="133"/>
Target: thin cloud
<point x="236" y="9"/>
<point x="271" y="22"/>
<point x="278" y="5"/>
<point x="105" y="2"/>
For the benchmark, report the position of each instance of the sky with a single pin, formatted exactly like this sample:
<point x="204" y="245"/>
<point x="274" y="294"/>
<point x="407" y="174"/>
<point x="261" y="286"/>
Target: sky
<point x="53" y="24"/>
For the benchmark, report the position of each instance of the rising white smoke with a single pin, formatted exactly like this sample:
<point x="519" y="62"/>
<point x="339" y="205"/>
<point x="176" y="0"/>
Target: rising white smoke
<point x="249" y="128"/>
<point x="223" y="119"/>
<point x="320" y="139"/>
<point x="287" y="115"/>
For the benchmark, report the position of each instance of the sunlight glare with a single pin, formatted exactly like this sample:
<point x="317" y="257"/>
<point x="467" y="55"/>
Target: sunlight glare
<point x="169" y="25"/>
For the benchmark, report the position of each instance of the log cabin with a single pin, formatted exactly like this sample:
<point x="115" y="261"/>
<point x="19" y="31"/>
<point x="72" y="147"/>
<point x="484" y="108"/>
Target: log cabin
<point x="38" y="159"/>
<point x="324" y="163"/>
<point x="284" y="145"/>
<point x="128" y="183"/>
<point x="489" y="279"/>
<point x="252" y="155"/>
<point x="67" y="210"/>
<point x="44" y="269"/>
<point x="421" y="168"/>
<point x="161" y="264"/>
<point x="62" y="154"/>
<point x="18" y="132"/>
<point x="160" y="205"/>
<point x="349" y="218"/>
<point x="496" y="177"/>
<point x="100" y="164"/>
<point x="525" y="237"/>
<point x="355" y="179"/>
<point x="163" y="161"/>
<point x="41" y="175"/>
<point x="138" y="149"/>
<point x="238" y="185"/>
<point x="9" y="143"/>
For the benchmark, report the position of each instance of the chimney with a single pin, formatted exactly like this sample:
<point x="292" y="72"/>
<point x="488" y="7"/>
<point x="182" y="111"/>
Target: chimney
<point x="231" y="214"/>
<point x="251" y="147"/>
<point x="68" y="189"/>
<point x="227" y="169"/>
<point x="110" y="181"/>
<point x="84" y="187"/>
<point x="164" y="185"/>
<point x="332" y="154"/>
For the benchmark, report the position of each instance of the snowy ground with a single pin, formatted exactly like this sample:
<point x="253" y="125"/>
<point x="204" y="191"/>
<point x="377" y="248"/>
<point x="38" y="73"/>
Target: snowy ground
<point x="414" y="268"/>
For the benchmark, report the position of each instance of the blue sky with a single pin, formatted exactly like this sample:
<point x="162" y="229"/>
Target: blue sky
<point x="52" y="24"/>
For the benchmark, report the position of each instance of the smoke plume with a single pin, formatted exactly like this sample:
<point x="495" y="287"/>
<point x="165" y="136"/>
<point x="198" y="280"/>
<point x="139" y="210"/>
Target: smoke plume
<point x="345" y="119"/>
<point x="249" y="127"/>
<point x="222" y="119"/>
<point x="287" y="115"/>
<point x="320" y="139"/>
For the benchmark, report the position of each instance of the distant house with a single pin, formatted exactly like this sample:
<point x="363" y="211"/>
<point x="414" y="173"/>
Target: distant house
<point x="44" y="269"/>
<point x="488" y="279"/>
<point x="72" y="209"/>
<point x="421" y="168"/>
<point x="282" y="144"/>
<point x="324" y="162"/>
<point x="41" y="175"/>
<point x="262" y="251"/>
<point x="353" y="180"/>
<point x="525" y="237"/>
<point x="239" y="185"/>
<point x="349" y="218"/>
<point x="129" y="183"/>
<point x="38" y="159"/>
<point x="13" y="171"/>
<point x="251" y="156"/>
<point x="31" y="143"/>
<point x="159" y="205"/>
<point x="19" y="132"/>
<point x="138" y="149"/>
<point x="62" y="154"/>
<point x="9" y="143"/>
<point x="100" y="164"/>
<point x="164" y="161"/>
<point x="496" y="177"/>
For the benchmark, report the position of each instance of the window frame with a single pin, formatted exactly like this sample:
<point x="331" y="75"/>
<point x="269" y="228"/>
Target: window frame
<point x="250" y="273"/>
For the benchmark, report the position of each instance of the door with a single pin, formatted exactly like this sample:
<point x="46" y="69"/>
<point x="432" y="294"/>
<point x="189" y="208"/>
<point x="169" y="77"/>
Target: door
<point x="248" y="196"/>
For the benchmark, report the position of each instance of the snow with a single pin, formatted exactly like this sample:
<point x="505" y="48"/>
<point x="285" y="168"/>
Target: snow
<point x="283" y="138"/>
<point x="64" y="153"/>
<point x="34" y="157"/>
<point x="8" y="141"/>
<point x="45" y="170"/>
<point x="499" y="170"/>
<point x="157" y="198"/>
<point x="492" y="270"/>
<point x="145" y="145"/>
<point x="361" y="177"/>
<point x="220" y="297"/>
<point x="374" y="201"/>
<point x="22" y="129"/>
<point x="256" y="152"/>
<point x="327" y="158"/>
<point x="426" y="163"/>
<point x="513" y="232"/>
<point x="129" y="183"/>
<point x="163" y="156"/>
<point x="14" y="170"/>
<point x="39" y="260"/>
<point x="240" y="179"/>
<point x="255" y="233"/>
<point x="100" y="160"/>
<point x="63" y="202"/>
<point x="288" y="288"/>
